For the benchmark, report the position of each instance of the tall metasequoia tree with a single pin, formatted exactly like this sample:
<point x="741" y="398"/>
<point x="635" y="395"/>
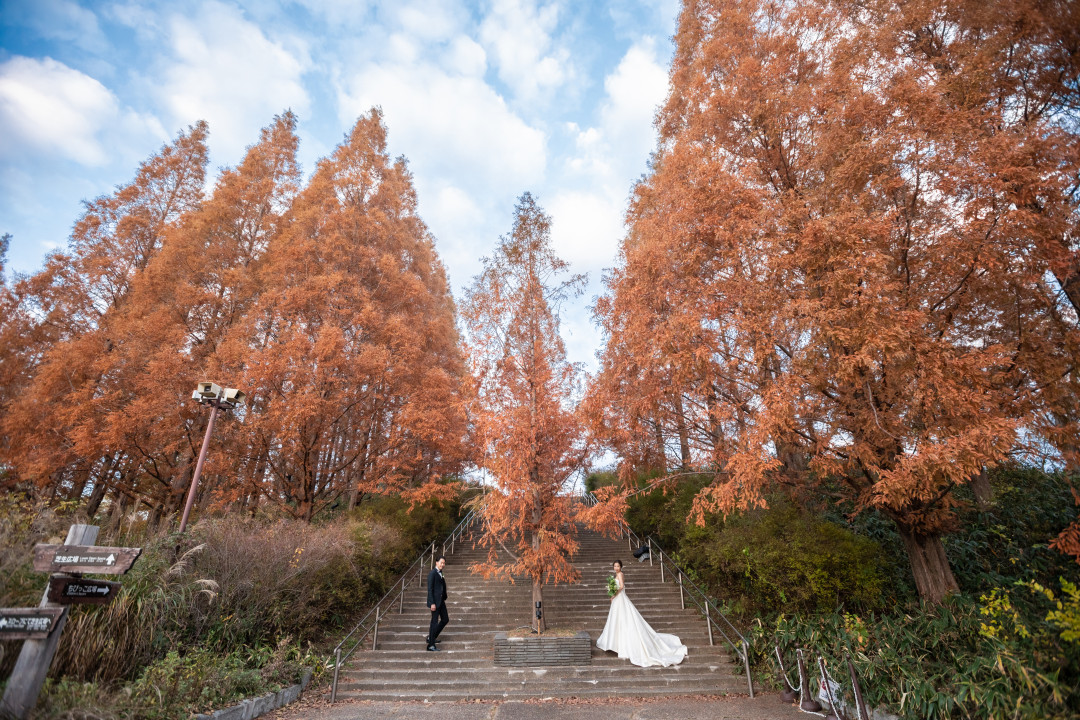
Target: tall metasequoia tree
<point x="191" y="295"/>
<point x="849" y="230"/>
<point x="331" y="308"/>
<point x="528" y="440"/>
<point x="57" y="338"/>
<point x="351" y="355"/>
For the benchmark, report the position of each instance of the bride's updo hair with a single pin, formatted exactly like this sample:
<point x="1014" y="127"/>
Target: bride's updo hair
<point x="619" y="563"/>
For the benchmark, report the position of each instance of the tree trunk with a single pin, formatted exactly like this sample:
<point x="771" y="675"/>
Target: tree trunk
<point x="94" y="502"/>
<point x="539" y="623"/>
<point x="661" y="453"/>
<point x="684" y="436"/>
<point x="933" y="575"/>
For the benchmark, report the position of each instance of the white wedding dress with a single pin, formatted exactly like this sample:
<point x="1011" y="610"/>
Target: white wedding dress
<point x="627" y="634"/>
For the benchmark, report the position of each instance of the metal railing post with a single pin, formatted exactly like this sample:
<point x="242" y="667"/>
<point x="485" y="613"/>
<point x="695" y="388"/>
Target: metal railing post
<point x="806" y="700"/>
<point x="650" y="551"/>
<point x="629" y="542"/>
<point x="682" y="598"/>
<point x="708" y="621"/>
<point x="401" y="598"/>
<point x="746" y="664"/>
<point x="432" y="565"/>
<point x="375" y="634"/>
<point x="337" y="666"/>
<point x="661" y="568"/>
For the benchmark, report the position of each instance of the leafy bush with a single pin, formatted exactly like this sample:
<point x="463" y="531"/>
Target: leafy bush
<point x="778" y="558"/>
<point x="995" y="658"/>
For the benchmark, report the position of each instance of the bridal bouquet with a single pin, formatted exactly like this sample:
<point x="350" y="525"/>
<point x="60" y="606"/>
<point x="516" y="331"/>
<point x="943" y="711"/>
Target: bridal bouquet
<point x="612" y="586"/>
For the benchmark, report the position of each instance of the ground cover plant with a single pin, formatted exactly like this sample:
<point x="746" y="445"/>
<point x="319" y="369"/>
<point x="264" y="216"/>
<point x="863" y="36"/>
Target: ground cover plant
<point x="236" y="607"/>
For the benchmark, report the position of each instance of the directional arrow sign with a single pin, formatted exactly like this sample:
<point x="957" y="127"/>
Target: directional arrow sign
<point x="68" y="590"/>
<point x="28" y="623"/>
<point x="84" y="559"/>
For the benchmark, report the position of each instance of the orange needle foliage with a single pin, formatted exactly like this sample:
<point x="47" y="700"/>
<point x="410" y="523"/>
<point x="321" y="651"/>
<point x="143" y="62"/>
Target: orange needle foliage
<point x="855" y="257"/>
<point x="528" y="440"/>
<point x="327" y="305"/>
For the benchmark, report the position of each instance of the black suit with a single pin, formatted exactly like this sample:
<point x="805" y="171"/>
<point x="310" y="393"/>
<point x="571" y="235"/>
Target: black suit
<point x="436" y="595"/>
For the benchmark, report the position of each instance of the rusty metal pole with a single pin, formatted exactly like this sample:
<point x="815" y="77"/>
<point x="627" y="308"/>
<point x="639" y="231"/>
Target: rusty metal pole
<point x="337" y="667"/>
<point x="198" y="467"/>
<point x="808" y="703"/>
<point x="860" y="704"/>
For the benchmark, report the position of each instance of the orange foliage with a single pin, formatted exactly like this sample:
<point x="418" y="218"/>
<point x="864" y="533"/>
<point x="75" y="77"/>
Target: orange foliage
<point x="853" y="255"/>
<point x="327" y="305"/>
<point x="528" y="440"/>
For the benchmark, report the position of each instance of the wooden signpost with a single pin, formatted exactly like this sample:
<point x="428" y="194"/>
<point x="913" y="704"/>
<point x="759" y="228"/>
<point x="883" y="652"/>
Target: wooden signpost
<point x="40" y="627"/>
<point x="72" y="591"/>
<point x="28" y="623"/>
<point x="84" y="559"/>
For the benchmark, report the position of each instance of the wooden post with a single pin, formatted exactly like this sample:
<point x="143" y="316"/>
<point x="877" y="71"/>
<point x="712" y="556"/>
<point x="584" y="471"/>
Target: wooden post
<point x="36" y="656"/>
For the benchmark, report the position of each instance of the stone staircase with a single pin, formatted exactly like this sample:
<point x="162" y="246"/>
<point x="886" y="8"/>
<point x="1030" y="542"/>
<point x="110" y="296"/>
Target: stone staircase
<point x="402" y="669"/>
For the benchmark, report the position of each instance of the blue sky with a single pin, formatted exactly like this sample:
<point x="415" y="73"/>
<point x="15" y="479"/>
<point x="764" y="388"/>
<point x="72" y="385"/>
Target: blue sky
<point x="486" y="100"/>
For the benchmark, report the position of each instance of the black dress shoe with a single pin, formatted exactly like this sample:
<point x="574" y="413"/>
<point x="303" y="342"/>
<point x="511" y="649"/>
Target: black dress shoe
<point x="432" y="648"/>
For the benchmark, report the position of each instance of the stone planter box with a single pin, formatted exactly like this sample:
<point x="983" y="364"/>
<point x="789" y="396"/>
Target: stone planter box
<point x="535" y="651"/>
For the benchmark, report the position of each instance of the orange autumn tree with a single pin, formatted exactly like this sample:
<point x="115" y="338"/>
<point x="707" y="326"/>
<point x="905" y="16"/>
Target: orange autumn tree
<point x="182" y="307"/>
<point x="846" y="261"/>
<point x="528" y="440"/>
<point x="351" y="355"/>
<point x="330" y="307"/>
<point x="60" y="337"/>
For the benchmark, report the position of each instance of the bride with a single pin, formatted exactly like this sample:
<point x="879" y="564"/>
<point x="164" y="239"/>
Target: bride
<point x="627" y="633"/>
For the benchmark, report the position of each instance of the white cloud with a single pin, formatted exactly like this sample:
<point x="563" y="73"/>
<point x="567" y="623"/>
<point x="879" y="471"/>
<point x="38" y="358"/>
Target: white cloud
<point x="588" y="213"/>
<point x="518" y="34"/>
<point x="634" y="91"/>
<point x="586" y="229"/>
<point x="448" y="125"/>
<point x="227" y="72"/>
<point x="47" y="106"/>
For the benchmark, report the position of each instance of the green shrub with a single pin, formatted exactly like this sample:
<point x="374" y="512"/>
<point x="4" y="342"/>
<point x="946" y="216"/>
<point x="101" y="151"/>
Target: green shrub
<point x="962" y="659"/>
<point x="771" y="559"/>
<point x="786" y="559"/>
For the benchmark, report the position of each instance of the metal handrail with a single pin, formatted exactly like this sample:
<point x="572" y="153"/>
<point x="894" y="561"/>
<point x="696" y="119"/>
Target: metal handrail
<point x="416" y="569"/>
<point x="742" y="647"/>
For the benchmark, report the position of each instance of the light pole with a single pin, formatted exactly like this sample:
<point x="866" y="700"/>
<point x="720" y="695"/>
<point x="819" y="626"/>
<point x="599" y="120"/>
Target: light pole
<point x="218" y="398"/>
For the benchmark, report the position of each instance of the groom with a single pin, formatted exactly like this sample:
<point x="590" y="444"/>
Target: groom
<point x="436" y="600"/>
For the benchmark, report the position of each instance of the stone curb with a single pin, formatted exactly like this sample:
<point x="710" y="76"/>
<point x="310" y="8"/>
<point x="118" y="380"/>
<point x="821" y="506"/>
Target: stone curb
<point x="255" y="707"/>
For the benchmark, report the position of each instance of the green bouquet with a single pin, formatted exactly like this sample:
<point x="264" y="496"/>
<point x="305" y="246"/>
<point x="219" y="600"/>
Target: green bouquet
<point x="612" y="586"/>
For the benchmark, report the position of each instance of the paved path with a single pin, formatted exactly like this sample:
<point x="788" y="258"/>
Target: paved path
<point x="763" y="707"/>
